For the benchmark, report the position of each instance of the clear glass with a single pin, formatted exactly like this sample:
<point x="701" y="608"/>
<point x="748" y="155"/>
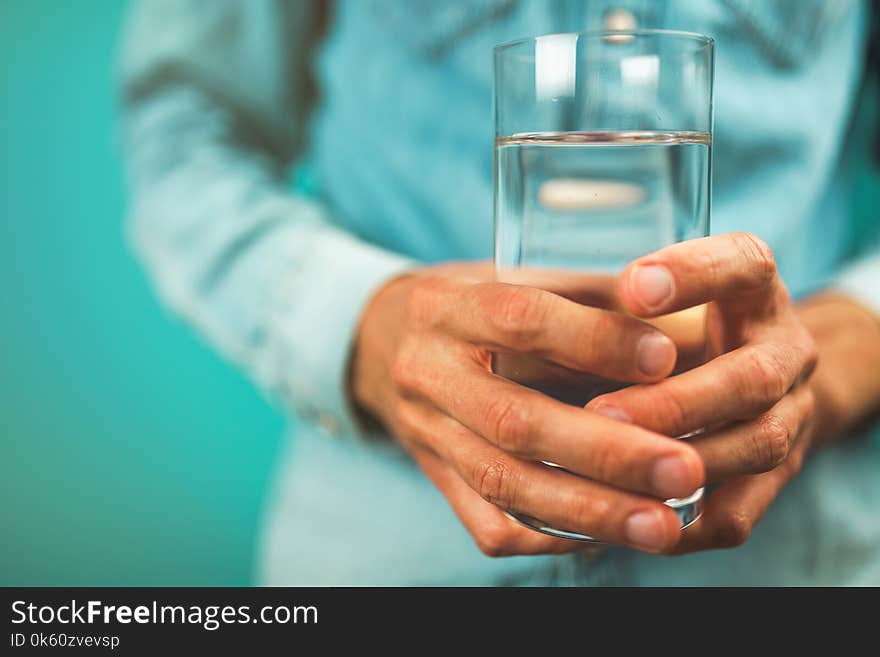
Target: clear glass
<point x="602" y="154"/>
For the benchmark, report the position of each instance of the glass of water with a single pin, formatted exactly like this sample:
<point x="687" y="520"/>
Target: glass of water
<point x="602" y="155"/>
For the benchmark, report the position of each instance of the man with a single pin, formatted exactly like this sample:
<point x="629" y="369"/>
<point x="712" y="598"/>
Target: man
<point x="329" y="293"/>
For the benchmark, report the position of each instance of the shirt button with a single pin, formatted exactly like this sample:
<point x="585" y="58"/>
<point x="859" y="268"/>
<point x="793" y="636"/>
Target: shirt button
<point x="620" y="19"/>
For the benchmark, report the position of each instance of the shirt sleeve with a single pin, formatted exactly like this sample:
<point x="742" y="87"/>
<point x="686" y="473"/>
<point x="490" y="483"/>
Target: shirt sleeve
<point x="214" y="98"/>
<point x="861" y="281"/>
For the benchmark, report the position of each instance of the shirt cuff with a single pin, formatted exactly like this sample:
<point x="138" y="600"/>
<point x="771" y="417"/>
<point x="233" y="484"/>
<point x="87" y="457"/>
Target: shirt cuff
<point x="861" y="281"/>
<point x="316" y="319"/>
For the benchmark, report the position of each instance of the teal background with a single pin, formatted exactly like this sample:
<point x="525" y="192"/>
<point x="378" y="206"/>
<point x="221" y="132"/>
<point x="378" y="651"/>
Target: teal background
<point x="130" y="453"/>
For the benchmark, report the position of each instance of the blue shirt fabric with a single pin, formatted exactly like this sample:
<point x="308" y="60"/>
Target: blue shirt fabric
<point x="386" y="120"/>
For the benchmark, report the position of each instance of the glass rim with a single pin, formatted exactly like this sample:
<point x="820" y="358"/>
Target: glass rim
<point x="702" y="39"/>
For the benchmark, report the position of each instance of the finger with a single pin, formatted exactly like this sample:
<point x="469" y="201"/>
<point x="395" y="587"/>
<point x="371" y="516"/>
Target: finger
<point x="535" y="427"/>
<point x="738" y="385"/>
<point x="514" y="318"/>
<point x="758" y="445"/>
<point x="730" y="266"/>
<point x="734" y="509"/>
<point x="556" y="497"/>
<point x="496" y="535"/>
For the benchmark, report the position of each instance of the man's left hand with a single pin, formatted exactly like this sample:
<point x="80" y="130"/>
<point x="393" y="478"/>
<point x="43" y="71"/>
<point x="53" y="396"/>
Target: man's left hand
<point x="753" y="398"/>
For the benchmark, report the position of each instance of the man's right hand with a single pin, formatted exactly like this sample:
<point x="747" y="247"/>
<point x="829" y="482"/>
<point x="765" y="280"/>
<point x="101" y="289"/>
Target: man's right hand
<point x="422" y="366"/>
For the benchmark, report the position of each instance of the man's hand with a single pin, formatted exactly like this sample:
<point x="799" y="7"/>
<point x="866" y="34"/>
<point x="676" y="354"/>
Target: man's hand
<point x="422" y="367"/>
<point x="754" y="397"/>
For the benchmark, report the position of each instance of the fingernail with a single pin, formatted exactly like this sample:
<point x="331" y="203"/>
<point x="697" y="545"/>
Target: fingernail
<point x="652" y="284"/>
<point x="654" y="354"/>
<point x="645" y="529"/>
<point x="613" y="412"/>
<point x="670" y="477"/>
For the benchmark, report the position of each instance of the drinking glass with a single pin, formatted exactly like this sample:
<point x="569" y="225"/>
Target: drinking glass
<point x="602" y="155"/>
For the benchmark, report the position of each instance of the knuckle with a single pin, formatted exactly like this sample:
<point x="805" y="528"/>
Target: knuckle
<point x="795" y="462"/>
<point x="808" y="406"/>
<point x="508" y="422"/>
<point x="764" y="377"/>
<point x="422" y="299"/>
<point x="759" y="255"/>
<point x="670" y="408"/>
<point x="772" y="441"/>
<point x="495" y="481"/>
<point x="604" y="461"/>
<point x="595" y="337"/>
<point x="518" y="312"/>
<point x="590" y="514"/>
<point x="405" y="419"/>
<point x="404" y="368"/>
<point x="494" y="540"/>
<point x="811" y="355"/>
<point x="734" y="530"/>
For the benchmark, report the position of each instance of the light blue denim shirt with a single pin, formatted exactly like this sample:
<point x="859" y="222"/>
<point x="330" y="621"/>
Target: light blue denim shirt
<point x="394" y="164"/>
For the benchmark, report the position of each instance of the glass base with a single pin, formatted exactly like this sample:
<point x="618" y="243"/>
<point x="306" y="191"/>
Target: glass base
<point x="688" y="509"/>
